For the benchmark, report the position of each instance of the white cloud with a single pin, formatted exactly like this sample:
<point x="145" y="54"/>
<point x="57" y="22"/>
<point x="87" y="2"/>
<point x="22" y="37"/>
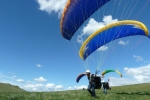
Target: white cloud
<point x="142" y="78"/>
<point x="70" y="88"/>
<point x="137" y="75"/>
<point x="141" y="74"/>
<point x="38" y="65"/>
<point x="20" y="80"/>
<point x="50" y="6"/>
<point x="40" y="79"/>
<point x="122" y="81"/>
<point x="80" y="39"/>
<point x="50" y="85"/>
<point x="58" y="87"/>
<point x="108" y="20"/>
<point x="144" y="70"/>
<point x="41" y="87"/>
<point x="94" y="25"/>
<point x="34" y="87"/>
<point x="80" y="87"/>
<point x="138" y="58"/>
<point x="29" y="86"/>
<point x="123" y="43"/>
<point x="102" y="48"/>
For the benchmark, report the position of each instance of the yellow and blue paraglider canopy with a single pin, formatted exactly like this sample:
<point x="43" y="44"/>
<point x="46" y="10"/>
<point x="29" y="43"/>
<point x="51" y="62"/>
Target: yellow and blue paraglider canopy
<point x="107" y="71"/>
<point x="111" y="32"/>
<point x="75" y="13"/>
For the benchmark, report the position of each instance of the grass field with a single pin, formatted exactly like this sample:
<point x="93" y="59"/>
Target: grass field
<point x="128" y="92"/>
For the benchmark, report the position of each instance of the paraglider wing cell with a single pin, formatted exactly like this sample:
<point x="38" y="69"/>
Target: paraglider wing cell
<point x="107" y="71"/>
<point x="75" y="13"/>
<point x="111" y="32"/>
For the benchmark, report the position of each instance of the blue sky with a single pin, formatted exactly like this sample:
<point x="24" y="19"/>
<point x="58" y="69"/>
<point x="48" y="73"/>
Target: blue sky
<point x="35" y="56"/>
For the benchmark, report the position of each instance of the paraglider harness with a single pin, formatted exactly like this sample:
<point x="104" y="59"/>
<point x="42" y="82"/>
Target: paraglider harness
<point x="96" y="80"/>
<point x="106" y="85"/>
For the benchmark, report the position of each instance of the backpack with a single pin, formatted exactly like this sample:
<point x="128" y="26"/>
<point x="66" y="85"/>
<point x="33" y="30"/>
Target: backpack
<point x="105" y="85"/>
<point x="96" y="80"/>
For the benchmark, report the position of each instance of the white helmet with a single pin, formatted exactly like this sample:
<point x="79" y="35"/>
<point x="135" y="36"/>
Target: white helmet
<point x="87" y="71"/>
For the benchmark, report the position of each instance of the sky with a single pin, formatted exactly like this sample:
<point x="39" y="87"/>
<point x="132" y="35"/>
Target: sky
<point x="35" y="56"/>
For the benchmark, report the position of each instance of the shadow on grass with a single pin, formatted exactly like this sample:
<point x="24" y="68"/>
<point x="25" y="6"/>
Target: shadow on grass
<point x="134" y="93"/>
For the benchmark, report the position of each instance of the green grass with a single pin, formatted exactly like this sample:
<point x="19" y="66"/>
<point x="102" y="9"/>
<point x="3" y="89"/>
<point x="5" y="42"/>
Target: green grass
<point x="128" y="92"/>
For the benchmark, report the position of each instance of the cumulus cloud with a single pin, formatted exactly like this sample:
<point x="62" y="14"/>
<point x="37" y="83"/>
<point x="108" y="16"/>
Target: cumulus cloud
<point x="103" y="48"/>
<point x="77" y="87"/>
<point x="108" y="20"/>
<point x="40" y="79"/>
<point x="121" y="42"/>
<point x="94" y="25"/>
<point x="58" y="87"/>
<point x="138" y="58"/>
<point x="141" y="74"/>
<point x="137" y="75"/>
<point x="80" y="87"/>
<point x="38" y="65"/>
<point x="50" y="6"/>
<point x="70" y="88"/>
<point x="142" y="78"/>
<point x="20" y="80"/>
<point x="50" y="85"/>
<point x="144" y="70"/>
<point x="53" y="87"/>
<point x="42" y="87"/>
<point x="114" y="81"/>
<point x="34" y="87"/>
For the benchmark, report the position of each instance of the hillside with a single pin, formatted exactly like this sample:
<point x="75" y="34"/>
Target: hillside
<point x="5" y="87"/>
<point x="128" y="92"/>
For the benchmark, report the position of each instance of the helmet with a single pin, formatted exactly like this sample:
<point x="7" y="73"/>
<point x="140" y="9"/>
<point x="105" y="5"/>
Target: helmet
<point x="87" y="71"/>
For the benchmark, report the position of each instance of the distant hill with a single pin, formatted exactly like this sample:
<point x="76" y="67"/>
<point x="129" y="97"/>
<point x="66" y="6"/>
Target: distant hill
<point x="6" y="87"/>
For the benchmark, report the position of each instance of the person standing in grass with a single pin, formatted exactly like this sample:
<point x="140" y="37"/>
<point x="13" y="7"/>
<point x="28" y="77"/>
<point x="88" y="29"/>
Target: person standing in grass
<point x="91" y="83"/>
<point x="105" y="86"/>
